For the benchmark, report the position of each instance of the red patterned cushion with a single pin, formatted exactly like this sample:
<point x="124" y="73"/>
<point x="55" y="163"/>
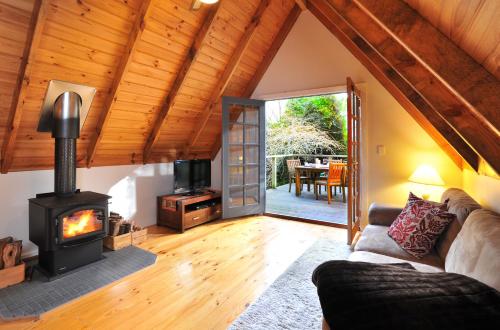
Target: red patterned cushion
<point x="419" y="225"/>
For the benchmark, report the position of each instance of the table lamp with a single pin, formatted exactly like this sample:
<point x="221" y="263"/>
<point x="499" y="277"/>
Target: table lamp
<point x="426" y="175"/>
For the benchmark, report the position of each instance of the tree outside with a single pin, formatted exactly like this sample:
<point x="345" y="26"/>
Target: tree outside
<point x="315" y="125"/>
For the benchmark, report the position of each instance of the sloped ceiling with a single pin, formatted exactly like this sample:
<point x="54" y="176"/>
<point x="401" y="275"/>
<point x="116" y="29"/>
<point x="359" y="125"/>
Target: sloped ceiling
<point x="473" y="25"/>
<point x="88" y="41"/>
<point x="449" y="93"/>
<point x="159" y="68"/>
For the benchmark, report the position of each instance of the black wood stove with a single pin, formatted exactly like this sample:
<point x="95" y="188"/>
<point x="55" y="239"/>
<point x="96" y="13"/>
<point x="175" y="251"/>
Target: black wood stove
<point x="68" y="226"/>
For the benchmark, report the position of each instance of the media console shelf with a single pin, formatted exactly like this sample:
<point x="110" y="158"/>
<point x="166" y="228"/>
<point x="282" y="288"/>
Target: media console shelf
<point x="181" y="212"/>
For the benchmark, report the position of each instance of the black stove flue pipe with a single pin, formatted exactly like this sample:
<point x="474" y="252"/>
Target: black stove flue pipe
<point x="65" y="130"/>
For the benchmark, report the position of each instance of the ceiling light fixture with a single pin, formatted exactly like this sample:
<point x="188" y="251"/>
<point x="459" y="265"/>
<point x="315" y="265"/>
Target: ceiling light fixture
<point x="197" y="3"/>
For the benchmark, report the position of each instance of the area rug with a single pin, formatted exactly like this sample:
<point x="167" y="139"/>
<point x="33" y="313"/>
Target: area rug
<point x="30" y="299"/>
<point x="291" y="301"/>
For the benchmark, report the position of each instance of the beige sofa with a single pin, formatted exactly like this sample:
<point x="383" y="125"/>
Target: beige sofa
<point x="470" y="246"/>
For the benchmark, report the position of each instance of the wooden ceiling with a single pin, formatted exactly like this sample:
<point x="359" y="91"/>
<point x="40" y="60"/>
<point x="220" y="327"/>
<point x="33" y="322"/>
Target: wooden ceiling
<point x="160" y="69"/>
<point x="473" y="25"/>
<point x="449" y="93"/>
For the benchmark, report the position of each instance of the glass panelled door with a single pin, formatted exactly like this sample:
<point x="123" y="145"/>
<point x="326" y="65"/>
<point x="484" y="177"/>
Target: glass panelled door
<point x="353" y="160"/>
<point x="243" y="157"/>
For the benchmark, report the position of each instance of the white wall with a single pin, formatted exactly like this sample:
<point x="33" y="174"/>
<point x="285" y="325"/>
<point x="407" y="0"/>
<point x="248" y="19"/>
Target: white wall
<point x="133" y="189"/>
<point x="310" y="58"/>
<point x="484" y="189"/>
<point x="217" y="172"/>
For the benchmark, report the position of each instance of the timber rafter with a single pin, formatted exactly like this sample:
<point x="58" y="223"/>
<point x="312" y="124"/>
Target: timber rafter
<point x="452" y="118"/>
<point x="228" y="73"/>
<point x="459" y="72"/>
<point x="37" y="22"/>
<point x="463" y="92"/>
<point x="278" y="40"/>
<point x="302" y="4"/>
<point x="169" y="102"/>
<point x="126" y="60"/>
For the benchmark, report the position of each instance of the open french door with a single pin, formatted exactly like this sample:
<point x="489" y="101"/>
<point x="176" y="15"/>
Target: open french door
<point x="243" y="157"/>
<point x="353" y="160"/>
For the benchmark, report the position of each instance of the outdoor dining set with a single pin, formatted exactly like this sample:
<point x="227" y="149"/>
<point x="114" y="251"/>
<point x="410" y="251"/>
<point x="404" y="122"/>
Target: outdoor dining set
<point x="330" y="175"/>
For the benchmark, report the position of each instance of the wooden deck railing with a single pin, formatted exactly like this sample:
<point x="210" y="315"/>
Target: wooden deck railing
<point x="274" y="160"/>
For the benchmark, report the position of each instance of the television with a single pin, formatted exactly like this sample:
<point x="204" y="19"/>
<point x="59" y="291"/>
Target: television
<point x="191" y="175"/>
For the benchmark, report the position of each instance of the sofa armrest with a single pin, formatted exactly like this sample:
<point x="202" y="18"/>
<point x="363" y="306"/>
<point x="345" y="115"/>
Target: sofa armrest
<point x="382" y="215"/>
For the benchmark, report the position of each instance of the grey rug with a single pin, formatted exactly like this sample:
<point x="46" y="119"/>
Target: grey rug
<point x="30" y="299"/>
<point x="291" y="301"/>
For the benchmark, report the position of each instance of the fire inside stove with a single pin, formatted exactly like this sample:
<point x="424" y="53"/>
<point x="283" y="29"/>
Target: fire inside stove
<point x="82" y="222"/>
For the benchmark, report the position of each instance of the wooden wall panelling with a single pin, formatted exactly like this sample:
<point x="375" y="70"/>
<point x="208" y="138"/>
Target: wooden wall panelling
<point x="79" y="37"/>
<point x="228" y="72"/>
<point x="418" y="107"/>
<point x="203" y="75"/>
<point x="14" y="24"/>
<point x="480" y="89"/>
<point x="155" y="67"/>
<point x="130" y="50"/>
<point x="278" y="40"/>
<point x="274" y="17"/>
<point x="191" y="57"/>
<point x="84" y="41"/>
<point x="195" y="92"/>
<point x="460" y="89"/>
<point x="34" y="34"/>
<point x="90" y="18"/>
<point x="271" y="20"/>
<point x="16" y="12"/>
<point x="472" y="25"/>
<point x="280" y="37"/>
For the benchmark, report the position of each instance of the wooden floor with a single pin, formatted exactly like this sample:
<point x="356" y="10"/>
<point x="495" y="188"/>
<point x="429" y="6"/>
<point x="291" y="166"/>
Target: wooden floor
<point x="203" y="279"/>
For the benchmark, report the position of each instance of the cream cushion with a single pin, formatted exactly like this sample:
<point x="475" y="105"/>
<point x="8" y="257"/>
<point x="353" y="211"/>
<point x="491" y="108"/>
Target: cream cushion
<point x="382" y="259"/>
<point x="460" y="204"/>
<point x="476" y="250"/>
<point x="376" y="240"/>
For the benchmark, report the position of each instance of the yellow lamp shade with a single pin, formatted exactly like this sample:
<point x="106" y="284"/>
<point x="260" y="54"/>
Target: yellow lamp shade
<point x="426" y="174"/>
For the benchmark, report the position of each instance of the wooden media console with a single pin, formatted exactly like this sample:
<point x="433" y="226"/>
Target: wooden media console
<point x="181" y="212"/>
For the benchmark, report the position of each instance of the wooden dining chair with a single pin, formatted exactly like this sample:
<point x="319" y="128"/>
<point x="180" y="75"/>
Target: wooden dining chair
<point x="335" y="179"/>
<point x="291" y="164"/>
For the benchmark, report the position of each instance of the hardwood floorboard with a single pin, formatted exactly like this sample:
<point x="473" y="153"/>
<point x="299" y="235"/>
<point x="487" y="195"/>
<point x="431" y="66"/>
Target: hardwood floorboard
<point x="203" y="279"/>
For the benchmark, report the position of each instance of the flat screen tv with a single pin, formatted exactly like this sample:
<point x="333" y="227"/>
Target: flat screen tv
<point x="191" y="175"/>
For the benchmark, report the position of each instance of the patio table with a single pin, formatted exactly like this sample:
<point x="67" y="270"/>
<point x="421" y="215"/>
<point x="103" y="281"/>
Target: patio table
<point x="309" y="169"/>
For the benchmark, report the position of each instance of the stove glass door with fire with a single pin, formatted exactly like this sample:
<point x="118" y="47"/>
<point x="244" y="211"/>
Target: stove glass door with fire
<point x="81" y="223"/>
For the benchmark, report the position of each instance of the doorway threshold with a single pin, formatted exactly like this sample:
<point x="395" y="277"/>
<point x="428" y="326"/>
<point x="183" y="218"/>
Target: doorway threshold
<point x="316" y="222"/>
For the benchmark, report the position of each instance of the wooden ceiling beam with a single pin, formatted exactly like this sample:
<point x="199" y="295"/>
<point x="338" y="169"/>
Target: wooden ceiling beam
<point x="121" y="70"/>
<point x="463" y="92"/>
<point x="418" y="107"/>
<point x="169" y="102"/>
<point x="465" y="77"/>
<point x="227" y="74"/>
<point x="35" y="30"/>
<point x="302" y="4"/>
<point x="278" y="40"/>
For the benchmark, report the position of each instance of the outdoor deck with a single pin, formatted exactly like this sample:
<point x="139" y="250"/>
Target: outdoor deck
<point x="280" y="201"/>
